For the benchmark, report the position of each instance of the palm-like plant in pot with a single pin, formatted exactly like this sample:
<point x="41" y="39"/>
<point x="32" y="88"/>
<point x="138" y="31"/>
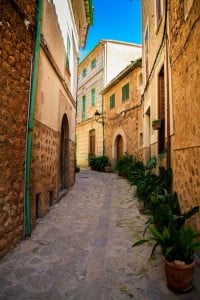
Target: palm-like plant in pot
<point x="178" y="242"/>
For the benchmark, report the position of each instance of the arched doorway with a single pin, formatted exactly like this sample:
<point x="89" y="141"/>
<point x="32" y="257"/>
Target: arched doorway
<point x="119" y="146"/>
<point x="64" y="154"/>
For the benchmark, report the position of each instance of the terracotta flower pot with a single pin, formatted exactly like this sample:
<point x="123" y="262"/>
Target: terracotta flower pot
<point x="179" y="276"/>
<point x="156" y="126"/>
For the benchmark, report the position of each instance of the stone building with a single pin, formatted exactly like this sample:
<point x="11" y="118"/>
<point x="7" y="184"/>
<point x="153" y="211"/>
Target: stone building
<point x="157" y="99"/>
<point x="17" y="44"/>
<point x="123" y="113"/>
<point x="101" y="65"/>
<point x="171" y="91"/>
<point x="184" y="28"/>
<point x="37" y="124"/>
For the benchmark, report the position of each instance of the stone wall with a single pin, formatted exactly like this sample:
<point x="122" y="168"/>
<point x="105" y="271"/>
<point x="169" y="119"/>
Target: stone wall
<point x="15" y="67"/>
<point x="43" y="169"/>
<point x="125" y="118"/>
<point x="185" y="55"/>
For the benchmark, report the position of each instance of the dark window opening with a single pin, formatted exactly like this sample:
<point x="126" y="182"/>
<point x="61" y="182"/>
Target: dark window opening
<point x="161" y="110"/>
<point x="37" y="206"/>
<point x="50" y="198"/>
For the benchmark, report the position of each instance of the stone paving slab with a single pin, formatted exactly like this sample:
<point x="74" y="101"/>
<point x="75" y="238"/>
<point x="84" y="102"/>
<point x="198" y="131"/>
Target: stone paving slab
<point x="82" y="250"/>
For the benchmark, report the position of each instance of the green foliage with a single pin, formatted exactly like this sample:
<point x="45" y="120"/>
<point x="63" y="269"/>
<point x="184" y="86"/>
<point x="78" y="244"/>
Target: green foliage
<point x="125" y="164"/>
<point x="98" y="163"/>
<point x="178" y="241"/>
<point x="144" y="177"/>
<point x="161" y="209"/>
<point x="148" y="182"/>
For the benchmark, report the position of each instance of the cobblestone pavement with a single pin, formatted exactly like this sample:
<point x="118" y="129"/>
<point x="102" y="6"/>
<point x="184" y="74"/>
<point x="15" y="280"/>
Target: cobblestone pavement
<point x="82" y="250"/>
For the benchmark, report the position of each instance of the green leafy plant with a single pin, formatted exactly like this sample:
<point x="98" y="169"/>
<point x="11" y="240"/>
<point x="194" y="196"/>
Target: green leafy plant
<point x="156" y="121"/>
<point x="161" y="209"/>
<point x="178" y="240"/>
<point x="125" y="164"/>
<point x="98" y="163"/>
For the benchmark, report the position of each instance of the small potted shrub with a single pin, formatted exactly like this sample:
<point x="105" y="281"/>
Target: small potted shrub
<point x="178" y="243"/>
<point x="156" y="124"/>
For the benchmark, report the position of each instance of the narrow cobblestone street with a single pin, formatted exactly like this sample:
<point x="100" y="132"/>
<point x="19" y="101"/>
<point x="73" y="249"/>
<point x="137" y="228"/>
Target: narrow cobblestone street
<point x="83" y="249"/>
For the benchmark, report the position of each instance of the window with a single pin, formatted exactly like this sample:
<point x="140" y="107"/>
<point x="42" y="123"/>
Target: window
<point x="93" y="97"/>
<point x="68" y="51"/>
<point x="83" y="107"/>
<point x="125" y="92"/>
<point x="158" y="11"/>
<point x="84" y="72"/>
<point x="93" y="63"/>
<point x="112" y="101"/>
<point x="161" y="110"/>
<point x="146" y="52"/>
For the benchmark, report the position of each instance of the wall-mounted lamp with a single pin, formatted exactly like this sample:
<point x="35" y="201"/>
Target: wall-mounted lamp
<point x="99" y="117"/>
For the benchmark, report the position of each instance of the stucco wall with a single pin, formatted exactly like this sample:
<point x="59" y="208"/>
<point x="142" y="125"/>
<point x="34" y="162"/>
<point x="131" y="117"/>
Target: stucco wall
<point x="118" y="56"/>
<point x="93" y="79"/>
<point x="54" y="100"/>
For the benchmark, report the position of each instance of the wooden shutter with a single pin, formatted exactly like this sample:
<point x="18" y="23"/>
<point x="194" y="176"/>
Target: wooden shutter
<point x="161" y="96"/>
<point x="92" y="142"/>
<point x="161" y="110"/>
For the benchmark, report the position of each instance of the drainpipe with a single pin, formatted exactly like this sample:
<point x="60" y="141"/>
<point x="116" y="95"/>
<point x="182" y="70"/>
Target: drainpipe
<point x="31" y="117"/>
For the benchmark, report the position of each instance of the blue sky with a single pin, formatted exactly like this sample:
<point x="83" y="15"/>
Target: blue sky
<point x="116" y="20"/>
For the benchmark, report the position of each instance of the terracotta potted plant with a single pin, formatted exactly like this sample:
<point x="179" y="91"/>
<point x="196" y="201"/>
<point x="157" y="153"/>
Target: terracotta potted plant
<point x="156" y="124"/>
<point x="178" y="242"/>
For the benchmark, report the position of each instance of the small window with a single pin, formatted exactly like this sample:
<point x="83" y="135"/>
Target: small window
<point x="141" y="138"/>
<point x="93" y="63"/>
<point x="158" y="11"/>
<point x="68" y="51"/>
<point x="93" y="97"/>
<point x="146" y="52"/>
<point x="125" y="92"/>
<point x="84" y="72"/>
<point x="83" y="108"/>
<point x="112" y="101"/>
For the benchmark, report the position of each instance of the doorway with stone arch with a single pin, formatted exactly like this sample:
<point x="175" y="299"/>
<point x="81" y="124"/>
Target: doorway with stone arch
<point x="119" y="143"/>
<point x="119" y="147"/>
<point x="64" y="154"/>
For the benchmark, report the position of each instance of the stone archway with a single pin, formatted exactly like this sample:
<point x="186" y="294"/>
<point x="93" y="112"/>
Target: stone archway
<point x="119" y="147"/>
<point x="64" y="154"/>
<point x="118" y="144"/>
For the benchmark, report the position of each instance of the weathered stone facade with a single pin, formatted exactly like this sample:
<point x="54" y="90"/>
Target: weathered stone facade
<point x="185" y="55"/>
<point x="156" y="73"/>
<point x="50" y="137"/>
<point x="16" y="51"/>
<point x="44" y="170"/>
<point x="95" y="78"/>
<point x="124" y="120"/>
<point x="171" y="52"/>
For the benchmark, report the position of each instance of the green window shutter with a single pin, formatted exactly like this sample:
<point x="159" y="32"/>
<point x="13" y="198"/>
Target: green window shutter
<point x="112" y="101"/>
<point x="84" y="72"/>
<point x="93" y="96"/>
<point x="93" y="63"/>
<point x="83" y="108"/>
<point x="68" y="50"/>
<point x="125" y="92"/>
